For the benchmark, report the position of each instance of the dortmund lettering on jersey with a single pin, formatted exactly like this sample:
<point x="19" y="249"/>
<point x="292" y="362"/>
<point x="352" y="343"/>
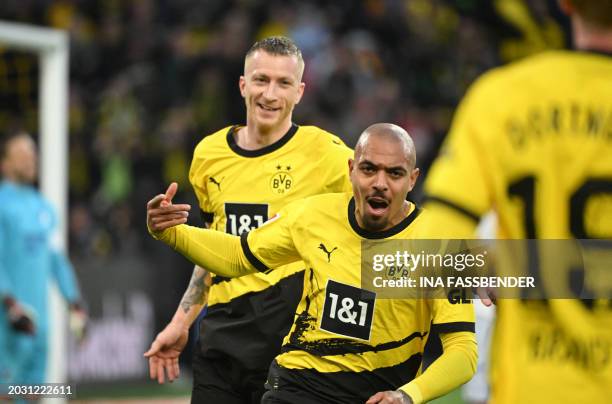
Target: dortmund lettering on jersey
<point x="541" y="158"/>
<point x="341" y="329"/>
<point x="238" y="190"/>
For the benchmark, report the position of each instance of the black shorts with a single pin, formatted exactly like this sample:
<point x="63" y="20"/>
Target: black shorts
<point x="309" y="386"/>
<point x="223" y="380"/>
<point x="282" y="388"/>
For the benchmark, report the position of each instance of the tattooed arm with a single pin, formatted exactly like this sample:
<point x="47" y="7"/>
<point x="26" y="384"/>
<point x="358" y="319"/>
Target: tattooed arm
<point x="194" y="299"/>
<point x="166" y="348"/>
<point x="195" y="296"/>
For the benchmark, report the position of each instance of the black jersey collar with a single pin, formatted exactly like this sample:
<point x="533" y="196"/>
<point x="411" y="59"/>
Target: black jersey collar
<point x="376" y="235"/>
<point x="231" y="142"/>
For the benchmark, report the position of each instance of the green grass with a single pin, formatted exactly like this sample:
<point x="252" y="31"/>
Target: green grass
<point x="133" y="390"/>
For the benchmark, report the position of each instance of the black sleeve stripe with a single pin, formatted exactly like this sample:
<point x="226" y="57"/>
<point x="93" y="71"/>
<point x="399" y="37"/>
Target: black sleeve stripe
<point x="249" y="254"/>
<point x="219" y="279"/>
<point x="472" y="215"/>
<point x="207" y="217"/>
<point x="445" y="328"/>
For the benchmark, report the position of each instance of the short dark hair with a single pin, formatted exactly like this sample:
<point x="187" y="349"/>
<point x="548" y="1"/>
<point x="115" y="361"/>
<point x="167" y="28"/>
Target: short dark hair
<point x="595" y="12"/>
<point x="277" y="45"/>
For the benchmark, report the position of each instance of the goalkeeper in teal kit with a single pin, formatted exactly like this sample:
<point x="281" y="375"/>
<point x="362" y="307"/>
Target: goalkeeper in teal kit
<point x="28" y="261"/>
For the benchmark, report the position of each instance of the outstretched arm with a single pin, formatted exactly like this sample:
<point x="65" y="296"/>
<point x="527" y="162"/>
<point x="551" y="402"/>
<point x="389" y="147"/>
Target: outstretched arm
<point x="454" y="367"/>
<point x="219" y="252"/>
<point x="166" y="348"/>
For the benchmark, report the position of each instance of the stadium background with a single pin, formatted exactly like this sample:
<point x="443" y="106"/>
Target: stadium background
<point x="149" y="78"/>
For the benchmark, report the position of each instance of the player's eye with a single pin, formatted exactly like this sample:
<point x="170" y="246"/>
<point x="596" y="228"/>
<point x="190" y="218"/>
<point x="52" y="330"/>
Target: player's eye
<point x="368" y="169"/>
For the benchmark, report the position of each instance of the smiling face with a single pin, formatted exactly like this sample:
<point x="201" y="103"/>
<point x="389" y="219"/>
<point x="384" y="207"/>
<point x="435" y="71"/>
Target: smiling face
<point x="382" y="174"/>
<point x="271" y="87"/>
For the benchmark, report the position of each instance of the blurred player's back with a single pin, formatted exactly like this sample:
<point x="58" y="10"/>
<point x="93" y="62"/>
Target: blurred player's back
<point x="541" y="150"/>
<point x="534" y="142"/>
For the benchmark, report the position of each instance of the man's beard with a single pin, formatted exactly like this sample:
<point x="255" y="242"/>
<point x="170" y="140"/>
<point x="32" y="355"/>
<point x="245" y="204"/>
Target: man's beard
<point x="375" y="225"/>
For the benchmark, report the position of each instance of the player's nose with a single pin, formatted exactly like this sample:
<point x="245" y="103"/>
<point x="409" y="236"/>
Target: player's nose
<point x="380" y="181"/>
<point x="270" y="92"/>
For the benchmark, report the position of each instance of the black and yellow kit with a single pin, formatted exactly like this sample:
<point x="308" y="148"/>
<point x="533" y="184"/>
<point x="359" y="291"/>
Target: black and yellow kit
<point x="238" y="190"/>
<point x="345" y="344"/>
<point x="533" y="141"/>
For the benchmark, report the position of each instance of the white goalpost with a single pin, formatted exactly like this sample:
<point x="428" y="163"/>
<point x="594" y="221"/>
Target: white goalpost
<point x="51" y="46"/>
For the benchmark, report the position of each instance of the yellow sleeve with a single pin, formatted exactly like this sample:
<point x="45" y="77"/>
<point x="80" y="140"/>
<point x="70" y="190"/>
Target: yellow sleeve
<point x="272" y="244"/>
<point x="336" y="163"/>
<point x="445" y="222"/>
<point x="453" y="368"/>
<point x="462" y="176"/>
<point x="453" y="317"/>
<point x="219" y="252"/>
<point x="267" y="247"/>
<point x="198" y="177"/>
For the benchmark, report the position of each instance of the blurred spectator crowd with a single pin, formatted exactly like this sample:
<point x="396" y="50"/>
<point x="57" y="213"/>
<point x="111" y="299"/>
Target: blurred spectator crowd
<point x="149" y="78"/>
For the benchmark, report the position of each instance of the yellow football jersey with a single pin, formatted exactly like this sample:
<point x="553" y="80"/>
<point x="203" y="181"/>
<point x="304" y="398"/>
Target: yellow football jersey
<point x="360" y="343"/>
<point x="533" y="141"/>
<point x="240" y="189"/>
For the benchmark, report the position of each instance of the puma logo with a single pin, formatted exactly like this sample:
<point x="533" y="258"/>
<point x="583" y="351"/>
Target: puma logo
<point x="214" y="181"/>
<point x="329" y="253"/>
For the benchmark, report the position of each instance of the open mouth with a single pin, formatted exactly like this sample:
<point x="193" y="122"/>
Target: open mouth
<point x="266" y="108"/>
<point x="377" y="205"/>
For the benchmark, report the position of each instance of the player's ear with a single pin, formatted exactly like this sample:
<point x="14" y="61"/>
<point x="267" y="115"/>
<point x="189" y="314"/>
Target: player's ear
<point x="351" y="162"/>
<point x="301" y="87"/>
<point x="242" y="85"/>
<point x="414" y="175"/>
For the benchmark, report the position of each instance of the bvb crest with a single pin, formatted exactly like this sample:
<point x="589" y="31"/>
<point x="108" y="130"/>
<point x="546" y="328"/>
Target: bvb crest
<point x="281" y="182"/>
